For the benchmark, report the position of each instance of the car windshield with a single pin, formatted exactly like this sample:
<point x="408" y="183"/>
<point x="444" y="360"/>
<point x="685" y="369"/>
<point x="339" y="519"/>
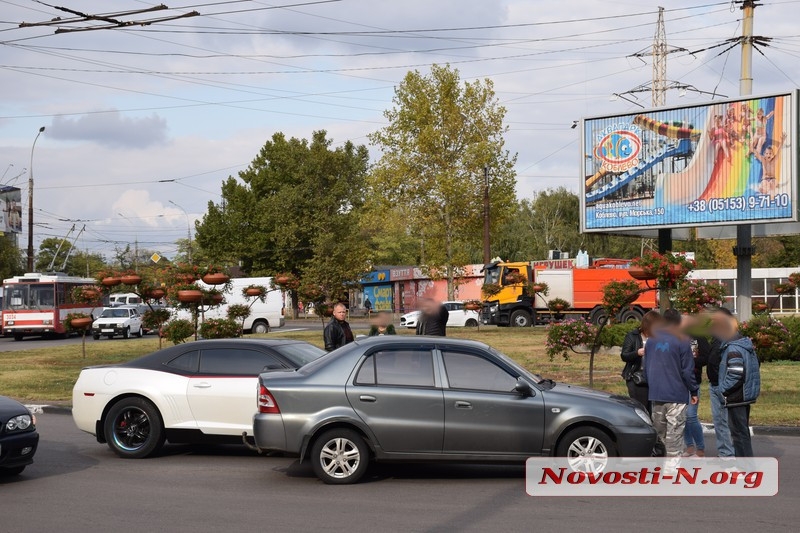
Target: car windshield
<point x="29" y="296"/>
<point x="300" y="353"/>
<point x="535" y="377"/>
<point x="114" y="313"/>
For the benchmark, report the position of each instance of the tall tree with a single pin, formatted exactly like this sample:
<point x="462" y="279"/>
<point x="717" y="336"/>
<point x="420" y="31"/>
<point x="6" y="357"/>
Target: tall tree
<point x="10" y="258"/>
<point x="295" y="208"/>
<point x="47" y="254"/>
<point x="441" y="133"/>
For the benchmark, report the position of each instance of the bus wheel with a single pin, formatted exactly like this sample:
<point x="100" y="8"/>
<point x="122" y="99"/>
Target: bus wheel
<point x="520" y="319"/>
<point x="17" y="336"/>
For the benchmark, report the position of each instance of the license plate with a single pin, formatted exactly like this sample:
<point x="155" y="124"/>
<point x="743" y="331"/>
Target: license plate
<point x="107" y="331"/>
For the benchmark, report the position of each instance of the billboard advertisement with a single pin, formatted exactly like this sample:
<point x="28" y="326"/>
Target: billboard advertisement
<point x="725" y="162"/>
<point x="10" y="210"/>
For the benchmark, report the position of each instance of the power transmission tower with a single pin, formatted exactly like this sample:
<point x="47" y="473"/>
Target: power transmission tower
<point x="659" y="52"/>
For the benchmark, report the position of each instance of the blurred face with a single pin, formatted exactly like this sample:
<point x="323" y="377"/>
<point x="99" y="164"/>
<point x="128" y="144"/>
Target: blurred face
<point x="722" y="326"/>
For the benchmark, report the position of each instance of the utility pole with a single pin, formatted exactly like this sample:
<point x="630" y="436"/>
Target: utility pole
<point x="744" y="232"/>
<point x="487" y="243"/>
<point x="30" y="205"/>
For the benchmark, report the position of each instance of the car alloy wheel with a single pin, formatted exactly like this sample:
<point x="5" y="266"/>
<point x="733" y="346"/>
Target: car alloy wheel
<point x="131" y="429"/>
<point x="587" y="454"/>
<point x="340" y="456"/>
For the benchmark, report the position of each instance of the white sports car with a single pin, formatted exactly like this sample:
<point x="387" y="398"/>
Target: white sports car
<point x="193" y="392"/>
<point x="459" y="317"/>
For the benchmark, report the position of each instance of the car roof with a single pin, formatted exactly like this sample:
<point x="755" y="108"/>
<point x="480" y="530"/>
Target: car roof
<point x="415" y="339"/>
<point x="155" y="359"/>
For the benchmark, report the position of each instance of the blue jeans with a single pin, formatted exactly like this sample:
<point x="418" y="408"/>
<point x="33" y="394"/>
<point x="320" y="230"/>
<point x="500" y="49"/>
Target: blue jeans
<point x="719" y="415"/>
<point x="693" y="434"/>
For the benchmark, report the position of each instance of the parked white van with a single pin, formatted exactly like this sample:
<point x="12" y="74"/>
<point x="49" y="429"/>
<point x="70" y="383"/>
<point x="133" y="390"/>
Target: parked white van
<point x="123" y="298"/>
<point x="263" y="315"/>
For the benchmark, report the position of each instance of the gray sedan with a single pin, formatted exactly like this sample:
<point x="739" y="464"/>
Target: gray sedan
<point x="436" y="399"/>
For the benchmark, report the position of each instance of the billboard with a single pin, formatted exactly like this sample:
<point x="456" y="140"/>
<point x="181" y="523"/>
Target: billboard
<point x="720" y="163"/>
<point x="10" y="210"/>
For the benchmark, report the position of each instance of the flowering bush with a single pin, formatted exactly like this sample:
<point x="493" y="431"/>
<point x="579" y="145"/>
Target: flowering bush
<point x="178" y="331"/>
<point x="491" y="289"/>
<point x="220" y="328"/>
<point x="72" y="316"/>
<point x="86" y="294"/>
<point x="514" y="278"/>
<point x="668" y="269"/>
<point x="558" y="305"/>
<point x="238" y="311"/>
<point x="618" y="295"/>
<point x="563" y="336"/>
<point x="692" y="296"/>
<point x="154" y="318"/>
<point x="285" y="281"/>
<point x="538" y="287"/>
<point x="770" y="337"/>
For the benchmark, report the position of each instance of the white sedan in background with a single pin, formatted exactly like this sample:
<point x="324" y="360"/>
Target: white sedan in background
<point x="459" y="317"/>
<point x="193" y="392"/>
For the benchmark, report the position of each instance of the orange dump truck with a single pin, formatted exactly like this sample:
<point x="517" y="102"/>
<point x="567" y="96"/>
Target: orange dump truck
<point x="582" y="288"/>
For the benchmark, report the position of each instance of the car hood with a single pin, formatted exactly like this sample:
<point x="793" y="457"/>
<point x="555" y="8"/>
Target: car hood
<point x="111" y="320"/>
<point x="9" y="407"/>
<point x="412" y="314"/>
<point x="592" y="394"/>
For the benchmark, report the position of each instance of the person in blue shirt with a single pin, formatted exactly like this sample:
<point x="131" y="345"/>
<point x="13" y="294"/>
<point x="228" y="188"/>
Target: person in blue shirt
<point x="669" y="366"/>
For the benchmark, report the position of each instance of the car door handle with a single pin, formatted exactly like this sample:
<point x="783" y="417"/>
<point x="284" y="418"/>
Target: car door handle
<point x="367" y="398"/>
<point x="463" y="405"/>
<point x="202" y="385"/>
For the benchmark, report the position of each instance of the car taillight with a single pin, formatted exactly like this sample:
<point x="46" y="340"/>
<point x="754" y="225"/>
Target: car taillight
<point x="266" y="403"/>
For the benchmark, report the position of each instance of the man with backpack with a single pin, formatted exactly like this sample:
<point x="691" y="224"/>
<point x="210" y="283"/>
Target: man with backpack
<point x="739" y="378"/>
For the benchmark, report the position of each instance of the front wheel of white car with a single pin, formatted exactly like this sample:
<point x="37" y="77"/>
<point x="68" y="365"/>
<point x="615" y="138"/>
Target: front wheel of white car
<point x="340" y="456"/>
<point x="133" y="428"/>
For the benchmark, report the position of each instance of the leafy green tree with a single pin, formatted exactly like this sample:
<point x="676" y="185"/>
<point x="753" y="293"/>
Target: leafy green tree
<point x="10" y="258"/>
<point x="296" y="209"/>
<point x="441" y="134"/>
<point x="47" y="251"/>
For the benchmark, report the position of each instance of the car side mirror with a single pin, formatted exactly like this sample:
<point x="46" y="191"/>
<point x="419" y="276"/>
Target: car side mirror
<point x="523" y="388"/>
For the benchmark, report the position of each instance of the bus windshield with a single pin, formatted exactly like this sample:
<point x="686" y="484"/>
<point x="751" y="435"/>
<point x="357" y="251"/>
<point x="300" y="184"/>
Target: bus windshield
<point x="36" y="296"/>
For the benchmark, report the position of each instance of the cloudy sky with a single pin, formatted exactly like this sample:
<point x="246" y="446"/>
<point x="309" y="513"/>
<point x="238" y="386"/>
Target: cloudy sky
<point x="139" y="117"/>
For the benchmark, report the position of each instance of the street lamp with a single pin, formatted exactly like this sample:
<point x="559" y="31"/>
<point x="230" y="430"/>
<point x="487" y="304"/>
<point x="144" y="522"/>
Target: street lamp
<point x="30" y="204"/>
<point x="188" y="228"/>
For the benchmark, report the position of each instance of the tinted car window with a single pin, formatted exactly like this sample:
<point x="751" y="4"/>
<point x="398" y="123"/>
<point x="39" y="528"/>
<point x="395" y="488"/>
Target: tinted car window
<point x="300" y="353"/>
<point x="187" y="362"/>
<point x="467" y="371"/>
<point x="366" y="374"/>
<point x="236" y="361"/>
<point x="405" y="367"/>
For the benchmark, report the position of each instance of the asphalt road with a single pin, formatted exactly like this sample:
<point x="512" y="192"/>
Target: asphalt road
<point x="79" y="485"/>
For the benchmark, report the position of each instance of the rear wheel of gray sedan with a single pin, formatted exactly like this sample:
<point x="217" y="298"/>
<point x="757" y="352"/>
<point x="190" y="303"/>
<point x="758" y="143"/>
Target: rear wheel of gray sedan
<point x="340" y="456"/>
<point x="586" y="448"/>
<point x="133" y="428"/>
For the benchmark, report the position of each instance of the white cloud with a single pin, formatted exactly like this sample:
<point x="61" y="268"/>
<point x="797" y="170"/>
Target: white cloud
<point x="112" y="130"/>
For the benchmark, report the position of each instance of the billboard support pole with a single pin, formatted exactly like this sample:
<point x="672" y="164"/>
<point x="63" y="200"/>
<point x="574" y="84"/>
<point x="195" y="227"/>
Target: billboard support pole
<point x="664" y="246"/>
<point x="744" y="232"/>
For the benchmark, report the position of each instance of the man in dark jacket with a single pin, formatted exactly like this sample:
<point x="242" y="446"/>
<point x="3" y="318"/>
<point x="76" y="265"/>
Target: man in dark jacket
<point x="433" y="318"/>
<point x="739" y="379"/>
<point x="337" y="333"/>
<point x="669" y="365"/>
<point x="719" y="415"/>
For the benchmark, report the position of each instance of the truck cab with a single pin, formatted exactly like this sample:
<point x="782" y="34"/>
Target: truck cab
<point x="506" y="301"/>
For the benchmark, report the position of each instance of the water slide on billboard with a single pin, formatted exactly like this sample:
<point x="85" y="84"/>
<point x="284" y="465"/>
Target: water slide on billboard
<point x="687" y="185"/>
<point x="683" y="146"/>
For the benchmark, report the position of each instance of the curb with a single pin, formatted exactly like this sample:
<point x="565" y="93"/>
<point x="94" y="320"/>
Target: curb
<point x="38" y="409"/>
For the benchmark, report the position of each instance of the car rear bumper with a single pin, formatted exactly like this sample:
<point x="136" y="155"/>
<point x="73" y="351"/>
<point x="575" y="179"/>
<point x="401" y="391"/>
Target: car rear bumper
<point x="13" y="446"/>
<point x="269" y="432"/>
<point x="636" y="441"/>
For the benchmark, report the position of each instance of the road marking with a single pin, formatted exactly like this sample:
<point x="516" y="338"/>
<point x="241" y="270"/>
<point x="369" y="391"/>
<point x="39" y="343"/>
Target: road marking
<point x="290" y="330"/>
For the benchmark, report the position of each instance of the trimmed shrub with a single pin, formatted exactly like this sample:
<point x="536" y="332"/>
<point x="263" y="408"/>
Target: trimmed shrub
<point x="220" y="328"/>
<point x="178" y="331"/>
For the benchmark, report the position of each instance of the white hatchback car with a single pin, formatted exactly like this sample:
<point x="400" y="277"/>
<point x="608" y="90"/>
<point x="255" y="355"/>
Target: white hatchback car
<point x="459" y="317"/>
<point x="124" y="321"/>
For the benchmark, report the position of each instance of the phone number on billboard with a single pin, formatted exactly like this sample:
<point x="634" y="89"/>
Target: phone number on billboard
<point x="739" y="203"/>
